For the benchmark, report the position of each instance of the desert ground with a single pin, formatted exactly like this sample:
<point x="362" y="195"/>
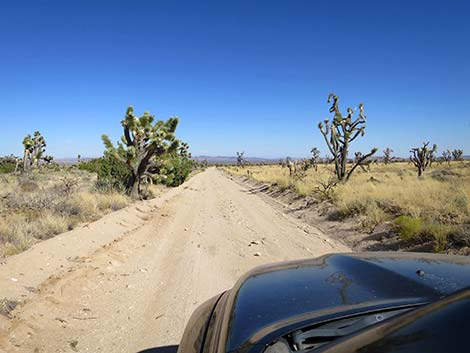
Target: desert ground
<point x="130" y="281"/>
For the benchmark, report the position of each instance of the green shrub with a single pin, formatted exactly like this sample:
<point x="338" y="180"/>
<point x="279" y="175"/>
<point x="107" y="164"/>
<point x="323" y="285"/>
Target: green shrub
<point x="176" y="169"/>
<point x="7" y="164"/>
<point x="408" y="227"/>
<point x="113" y="174"/>
<point x="439" y="233"/>
<point x="91" y="166"/>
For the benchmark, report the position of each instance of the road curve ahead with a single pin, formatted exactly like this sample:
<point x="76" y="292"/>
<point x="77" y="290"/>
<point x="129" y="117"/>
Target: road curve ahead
<point x="138" y="291"/>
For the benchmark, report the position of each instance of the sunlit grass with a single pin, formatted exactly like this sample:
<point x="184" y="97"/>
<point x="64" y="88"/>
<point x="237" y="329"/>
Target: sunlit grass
<point x="440" y="197"/>
<point x="46" y="203"/>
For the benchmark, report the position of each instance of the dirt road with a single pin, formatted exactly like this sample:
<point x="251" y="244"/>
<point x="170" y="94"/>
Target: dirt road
<point x="137" y="291"/>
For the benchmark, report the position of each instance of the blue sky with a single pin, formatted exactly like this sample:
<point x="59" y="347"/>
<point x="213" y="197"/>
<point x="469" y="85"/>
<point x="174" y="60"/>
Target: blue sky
<point x="241" y="75"/>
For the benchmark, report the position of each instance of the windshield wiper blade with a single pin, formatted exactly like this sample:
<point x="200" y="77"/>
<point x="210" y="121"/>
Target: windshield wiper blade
<point x="322" y="334"/>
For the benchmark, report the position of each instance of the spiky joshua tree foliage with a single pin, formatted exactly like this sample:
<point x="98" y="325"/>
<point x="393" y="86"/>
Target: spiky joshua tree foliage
<point x="315" y="158"/>
<point x="339" y="133"/>
<point x="183" y="150"/>
<point x="143" y="145"/>
<point x="447" y="157"/>
<point x="388" y="155"/>
<point x="422" y="157"/>
<point x="241" y="159"/>
<point x="34" y="148"/>
<point x="457" y="154"/>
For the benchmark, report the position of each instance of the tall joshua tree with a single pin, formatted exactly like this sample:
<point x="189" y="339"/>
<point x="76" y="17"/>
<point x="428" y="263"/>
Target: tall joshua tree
<point x="422" y="157"/>
<point x="142" y="145"/>
<point x="34" y="148"/>
<point x="339" y="133"/>
<point x="447" y="157"/>
<point x="388" y="155"/>
<point x="457" y="154"/>
<point x="315" y="158"/>
<point x="240" y="159"/>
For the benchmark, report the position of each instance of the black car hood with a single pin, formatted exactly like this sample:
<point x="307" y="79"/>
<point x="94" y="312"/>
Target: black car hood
<point x="276" y="293"/>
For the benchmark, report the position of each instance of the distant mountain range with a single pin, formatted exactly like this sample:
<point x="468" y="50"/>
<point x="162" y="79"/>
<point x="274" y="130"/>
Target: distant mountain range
<point x="215" y="159"/>
<point x="233" y="159"/>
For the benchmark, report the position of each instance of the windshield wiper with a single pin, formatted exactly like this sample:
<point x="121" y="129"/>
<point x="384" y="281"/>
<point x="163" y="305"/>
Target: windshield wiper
<point x="314" y="337"/>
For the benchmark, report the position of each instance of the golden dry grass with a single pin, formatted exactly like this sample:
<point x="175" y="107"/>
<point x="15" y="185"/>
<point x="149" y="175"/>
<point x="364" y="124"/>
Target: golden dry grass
<point x="440" y="197"/>
<point x="46" y="203"/>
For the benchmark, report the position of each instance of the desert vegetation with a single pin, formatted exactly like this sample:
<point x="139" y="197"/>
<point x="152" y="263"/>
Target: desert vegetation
<point x="40" y="199"/>
<point x="420" y="200"/>
<point x="44" y="203"/>
<point x="435" y="206"/>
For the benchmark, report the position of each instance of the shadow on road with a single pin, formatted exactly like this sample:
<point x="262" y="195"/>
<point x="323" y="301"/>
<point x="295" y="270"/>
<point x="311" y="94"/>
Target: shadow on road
<point x="164" y="349"/>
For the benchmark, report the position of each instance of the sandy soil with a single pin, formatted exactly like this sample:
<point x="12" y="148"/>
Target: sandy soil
<point x="130" y="281"/>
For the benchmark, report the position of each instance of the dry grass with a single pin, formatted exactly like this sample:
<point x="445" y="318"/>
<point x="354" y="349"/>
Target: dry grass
<point x="441" y="198"/>
<point x="46" y="203"/>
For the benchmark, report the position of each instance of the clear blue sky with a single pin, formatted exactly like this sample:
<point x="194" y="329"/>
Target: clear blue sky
<point x="241" y="75"/>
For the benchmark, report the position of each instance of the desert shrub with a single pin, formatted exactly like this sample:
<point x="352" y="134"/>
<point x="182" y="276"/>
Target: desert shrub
<point x="112" y="201"/>
<point x="49" y="225"/>
<point x="7" y="164"/>
<point x="325" y="190"/>
<point x="44" y="203"/>
<point x="67" y="185"/>
<point x="444" y="174"/>
<point x="27" y="185"/>
<point x="460" y="236"/>
<point x="146" y="192"/>
<point x="439" y="233"/>
<point x="373" y="217"/>
<point x="113" y="173"/>
<point x="408" y="227"/>
<point x="91" y="166"/>
<point x="81" y="205"/>
<point x="176" y="170"/>
<point x="35" y="201"/>
<point x="370" y="211"/>
<point x="425" y="230"/>
<point x="105" y="186"/>
<point x="16" y="234"/>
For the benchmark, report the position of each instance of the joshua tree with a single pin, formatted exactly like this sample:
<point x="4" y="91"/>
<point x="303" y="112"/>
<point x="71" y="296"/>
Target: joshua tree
<point x="422" y="157"/>
<point x="240" y="159"/>
<point x="457" y="154"/>
<point x="290" y="164"/>
<point x="339" y="133"/>
<point x="447" y="156"/>
<point x="34" y="147"/>
<point x="79" y="159"/>
<point x="142" y="146"/>
<point x="388" y="155"/>
<point x="315" y="158"/>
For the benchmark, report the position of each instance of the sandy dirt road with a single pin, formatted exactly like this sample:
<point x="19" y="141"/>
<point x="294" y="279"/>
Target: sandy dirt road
<point x="138" y="291"/>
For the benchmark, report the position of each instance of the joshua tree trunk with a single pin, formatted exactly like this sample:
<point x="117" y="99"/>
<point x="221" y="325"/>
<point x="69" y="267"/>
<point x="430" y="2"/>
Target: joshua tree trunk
<point x="134" y="187"/>
<point x="26" y="160"/>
